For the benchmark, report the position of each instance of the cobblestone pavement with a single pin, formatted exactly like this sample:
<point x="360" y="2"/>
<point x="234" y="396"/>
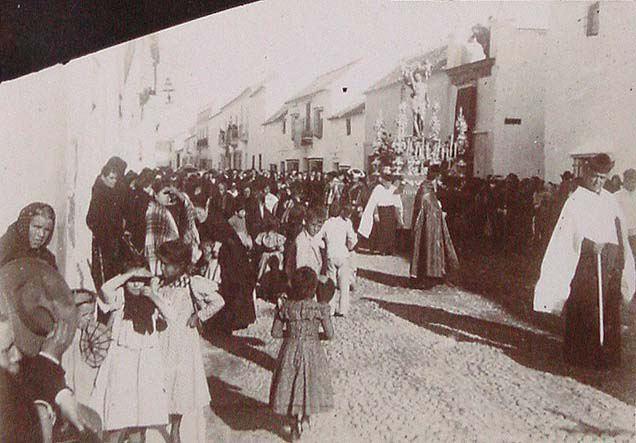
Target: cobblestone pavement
<point x="436" y="365"/>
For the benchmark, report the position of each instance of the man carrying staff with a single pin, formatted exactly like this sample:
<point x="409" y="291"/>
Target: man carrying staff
<point x="587" y="266"/>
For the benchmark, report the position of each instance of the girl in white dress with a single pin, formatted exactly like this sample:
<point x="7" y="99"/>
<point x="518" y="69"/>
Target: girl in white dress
<point x="187" y="301"/>
<point x="130" y="387"/>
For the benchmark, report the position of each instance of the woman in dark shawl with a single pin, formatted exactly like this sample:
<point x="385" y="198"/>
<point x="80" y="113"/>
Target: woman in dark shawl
<point x="105" y="219"/>
<point x="30" y="235"/>
<point x="238" y="280"/>
<point x="433" y="251"/>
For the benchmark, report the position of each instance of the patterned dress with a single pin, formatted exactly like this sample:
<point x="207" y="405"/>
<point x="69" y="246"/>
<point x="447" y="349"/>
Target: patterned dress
<point x="301" y="383"/>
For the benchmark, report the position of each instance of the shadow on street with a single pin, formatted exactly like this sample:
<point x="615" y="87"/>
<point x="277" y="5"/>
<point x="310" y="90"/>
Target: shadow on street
<point x="530" y="349"/>
<point x="240" y="412"/>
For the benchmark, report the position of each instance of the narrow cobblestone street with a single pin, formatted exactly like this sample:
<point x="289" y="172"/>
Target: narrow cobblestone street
<point x="436" y="365"/>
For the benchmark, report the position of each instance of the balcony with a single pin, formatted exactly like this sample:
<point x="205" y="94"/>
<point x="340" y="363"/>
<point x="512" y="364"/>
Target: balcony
<point x="243" y="133"/>
<point x="202" y="143"/>
<point x="232" y="135"/>
<point x="307" y="137"/>
<point x="468" y="72"/>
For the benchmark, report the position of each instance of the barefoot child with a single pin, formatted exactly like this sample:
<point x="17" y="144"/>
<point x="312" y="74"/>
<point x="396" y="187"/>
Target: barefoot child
<point x="301" y="385"/>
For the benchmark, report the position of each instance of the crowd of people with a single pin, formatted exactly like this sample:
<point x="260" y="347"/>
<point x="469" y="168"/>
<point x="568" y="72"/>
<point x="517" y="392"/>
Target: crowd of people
<point x="180" y="254"/>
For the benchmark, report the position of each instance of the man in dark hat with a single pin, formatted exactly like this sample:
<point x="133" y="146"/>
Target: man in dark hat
<point x="38" y="319"/>
<point x="587" y="266"/>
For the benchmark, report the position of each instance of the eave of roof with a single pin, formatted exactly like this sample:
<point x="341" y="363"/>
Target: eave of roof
<point x="350" y="111"/>
<point x="277" y="116"/>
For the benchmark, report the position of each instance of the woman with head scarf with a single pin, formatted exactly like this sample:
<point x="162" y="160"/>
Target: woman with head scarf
<point x="105" y="219"/>
<point x="237" y="287"/>
<point x="30" y="235"/>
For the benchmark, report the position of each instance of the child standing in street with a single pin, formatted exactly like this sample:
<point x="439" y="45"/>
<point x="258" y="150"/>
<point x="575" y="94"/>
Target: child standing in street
<point x="301" y="385"/>
<point x="340" y="239"/>
<point x="187" y="301"/>
<point x="129" y="391"/>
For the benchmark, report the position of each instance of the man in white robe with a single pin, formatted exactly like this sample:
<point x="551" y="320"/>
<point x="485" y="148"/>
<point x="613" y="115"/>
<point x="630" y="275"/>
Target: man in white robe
<point x="591" y="225"/>
<point x="383" y="202"/>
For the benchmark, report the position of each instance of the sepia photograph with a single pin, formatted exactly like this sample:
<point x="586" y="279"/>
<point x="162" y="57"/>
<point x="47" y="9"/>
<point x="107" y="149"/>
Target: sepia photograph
<point x="317" y="220"/>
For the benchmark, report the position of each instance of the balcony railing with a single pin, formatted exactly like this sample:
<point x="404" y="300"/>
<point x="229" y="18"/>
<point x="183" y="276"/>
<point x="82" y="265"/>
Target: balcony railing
<point x="243" y="133"/>
<point x="307" y="137"/>
<point x="202" y="143"/>
<point x="231" y="136"/>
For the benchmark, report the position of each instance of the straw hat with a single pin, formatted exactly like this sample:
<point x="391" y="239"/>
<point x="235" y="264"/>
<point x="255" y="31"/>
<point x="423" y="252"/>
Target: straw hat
<point x="35" y="297"/>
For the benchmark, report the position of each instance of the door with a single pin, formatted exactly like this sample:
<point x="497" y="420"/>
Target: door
<point x="467" y="102"/>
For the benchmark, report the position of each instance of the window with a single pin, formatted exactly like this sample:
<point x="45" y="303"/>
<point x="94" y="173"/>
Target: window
<point x="348" y="122"/>
<point x="318" y="123"/>
<point x="284" y="125"/>
<point x="512" y="121"/>
<point x="308" y="116"/>
<point x="593" y="19"/>
<point x="294" y="119"/>
<point x="260" y="162"/>
<point x="253" y="161"/>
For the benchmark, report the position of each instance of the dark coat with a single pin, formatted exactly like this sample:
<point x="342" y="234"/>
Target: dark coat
<point x="135" y="216"/>
<point x="254" y="219"/>
<point x="105" y="217"/>
<point x="19" y="419"/>
<point x="238" y="279"/>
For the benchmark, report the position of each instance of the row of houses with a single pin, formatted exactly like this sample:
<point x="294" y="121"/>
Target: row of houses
<point x="537" y="101"/>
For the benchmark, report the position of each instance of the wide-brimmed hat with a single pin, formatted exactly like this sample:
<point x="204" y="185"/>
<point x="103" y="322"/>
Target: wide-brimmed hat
<point x="35" y="297"/>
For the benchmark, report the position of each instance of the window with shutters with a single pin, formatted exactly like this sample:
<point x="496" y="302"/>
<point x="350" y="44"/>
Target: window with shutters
<point x="593" y="19"/>
<point x="308" y="116"/>
<point x="293" y="124"/>
<point x="318" y="123"/>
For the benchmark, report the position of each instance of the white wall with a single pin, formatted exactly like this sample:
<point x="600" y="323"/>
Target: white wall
<point x="59" y="128"/>
<point x="346" y="149"/>
<point x="519" y="80"/>
<point x="591" y="96"/>
<point x="33" y="134"/>
<point x="278" y="144"/>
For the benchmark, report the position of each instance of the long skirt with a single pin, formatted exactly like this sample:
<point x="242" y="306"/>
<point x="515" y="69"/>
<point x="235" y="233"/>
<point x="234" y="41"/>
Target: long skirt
<point x="129" y="390"/>
<point x="581" y="344"/>
<point x="301" y="383"/>
<point x="387" y="227"/>
<point x="239" y="311"/>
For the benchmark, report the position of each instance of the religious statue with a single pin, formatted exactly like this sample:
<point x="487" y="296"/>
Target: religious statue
<point x="416" y="78"/>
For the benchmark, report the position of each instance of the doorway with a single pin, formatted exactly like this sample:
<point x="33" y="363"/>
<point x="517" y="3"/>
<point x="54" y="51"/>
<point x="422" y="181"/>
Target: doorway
<point x="467" y="103"/>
